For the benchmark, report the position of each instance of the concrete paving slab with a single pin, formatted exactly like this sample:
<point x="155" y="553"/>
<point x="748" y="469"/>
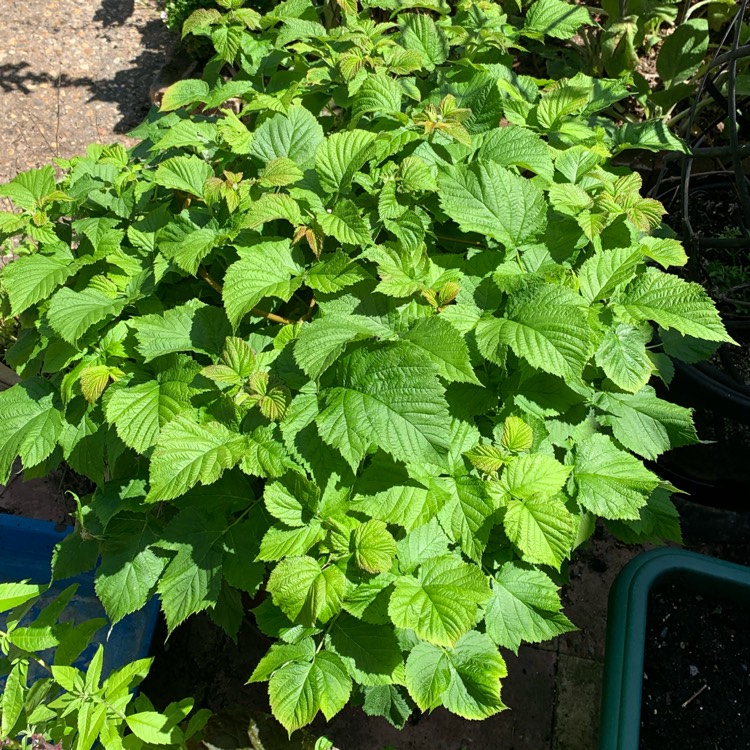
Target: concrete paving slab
<point x="592" y="572"/>
<point x="74" y="72"/>
<point x="529" y="692"/>
<point x="576" y="716"/>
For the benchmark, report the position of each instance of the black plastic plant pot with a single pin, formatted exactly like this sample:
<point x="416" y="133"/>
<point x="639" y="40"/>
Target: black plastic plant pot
<point x="620" y="724"/>
<point x="716" y="472"/>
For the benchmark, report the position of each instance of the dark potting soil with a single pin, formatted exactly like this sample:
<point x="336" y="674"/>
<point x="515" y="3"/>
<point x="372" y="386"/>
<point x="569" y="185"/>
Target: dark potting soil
<point x="696" y="683"/>
<point x="714" y="211"/>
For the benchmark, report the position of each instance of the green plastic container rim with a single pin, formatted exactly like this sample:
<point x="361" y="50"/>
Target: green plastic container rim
<point x="620" y="724"/>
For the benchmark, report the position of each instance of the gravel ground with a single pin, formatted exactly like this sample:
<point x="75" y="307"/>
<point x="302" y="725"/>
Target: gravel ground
<point x="74" y="72"/>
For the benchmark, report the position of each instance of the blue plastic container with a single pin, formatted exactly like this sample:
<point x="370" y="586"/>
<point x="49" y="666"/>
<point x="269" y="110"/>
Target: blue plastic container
<point x="26" y="547"/>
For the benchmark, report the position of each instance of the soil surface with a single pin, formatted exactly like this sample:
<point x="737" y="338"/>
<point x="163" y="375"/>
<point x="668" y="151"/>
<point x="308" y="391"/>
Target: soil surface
<point x="696" y="689"/>
<point x="44" y="498"/>
<point x="74" y="72"/>
<point x="714" y="212"/>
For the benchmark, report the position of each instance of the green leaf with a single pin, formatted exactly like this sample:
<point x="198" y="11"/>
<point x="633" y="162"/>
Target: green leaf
<point x="618" y="42"/>
<point x="71" y="313"/>
<point x="33" y="278"/>
<point x="153" y="728"/>
<point x="31" y="424"/>
<point x="534" y="475"/>
<point x="385" y="395"/>
<point x="555" y="18"/>
<point x="295" y="136"/>
<point x="674" y="303"/>
<point x="664" y="250"/>
<point x="322" y="342"/>
<point x="466" y="506"/>
<point x="374" y="547"/>
<point x="28" y="188"/>
<point x="278" y="172"/>
<point x="542" y="528"/>
<point x="139" y="410"/>
<point x="234" y="133"/>
<point x="517" y="435"/>
<point x="576" y="162"/>
<point x="187" y="245"/>
<point x="378" y="94"/>
<point x="683" y="51"/>
<point x="659" y="521"/>
<point x="370" y="653"/>
<point x="417" y="176"/>
<point x="304" y="591"/>
<point x="645" y="424"/>
<point x="182" y="93"/>
<point x="387" y="701"/>
<point x="192" y="327"/>
<point x="128" y="570"/>
<point x="652" y="135"/>
<point x="270" y="207"/>
<point x="466" y="679"/>
<point x="281" y="542"/>
<point x="487" y="458"/>
<point x="385" y="491"/>
<point x="559" y="103"/>
<point x="280" y="654"/>
<point x="419" y="32"/>
<point x="34" y="638"/>
<point x="227" y="41"/>
<point x="525" y="607"/>
<point x="13" y="595"/>
<point x="606" y="271"/>
<point x="686" y="348"/>
<point x="187" y="453"/>
<point x="369" y="600"/>
<point x="440" y="604"/>
<point x="292" y="500"/>
<point x="299" y="690"/>
<point x="334" y="273"/>
<point x="489" y="199"/>
<point x="611" y="483"/>
<point x="623" y="356"/>
<point x="192" y="579"/>
<point x="428" y="675"/>
<point x="13" y="697"/>
<point x="121" y="680"/>
<point x="340" y="156"/>
<point x="543" y="328"/>
<point x="345" y="223"/>
<point x="241" y="540"/>
<point x="267" y="269"/>
<point x="443" y="345"/>
<point x="515" y="146"/>
<point x="185" y="173"/>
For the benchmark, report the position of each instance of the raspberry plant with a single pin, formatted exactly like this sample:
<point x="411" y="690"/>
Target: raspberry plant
<point x="371" y="345"/>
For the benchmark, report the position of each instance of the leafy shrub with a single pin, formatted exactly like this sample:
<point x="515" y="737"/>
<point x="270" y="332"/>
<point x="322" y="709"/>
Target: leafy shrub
<point x="660" y="47"/>
<point x="380" y="346"/>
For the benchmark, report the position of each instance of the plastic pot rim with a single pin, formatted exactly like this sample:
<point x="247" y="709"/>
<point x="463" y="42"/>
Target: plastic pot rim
<point x="626" y="629"/>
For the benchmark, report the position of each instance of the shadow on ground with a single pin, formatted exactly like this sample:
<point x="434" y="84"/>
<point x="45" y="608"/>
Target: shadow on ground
<point x="127" y="88"/>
